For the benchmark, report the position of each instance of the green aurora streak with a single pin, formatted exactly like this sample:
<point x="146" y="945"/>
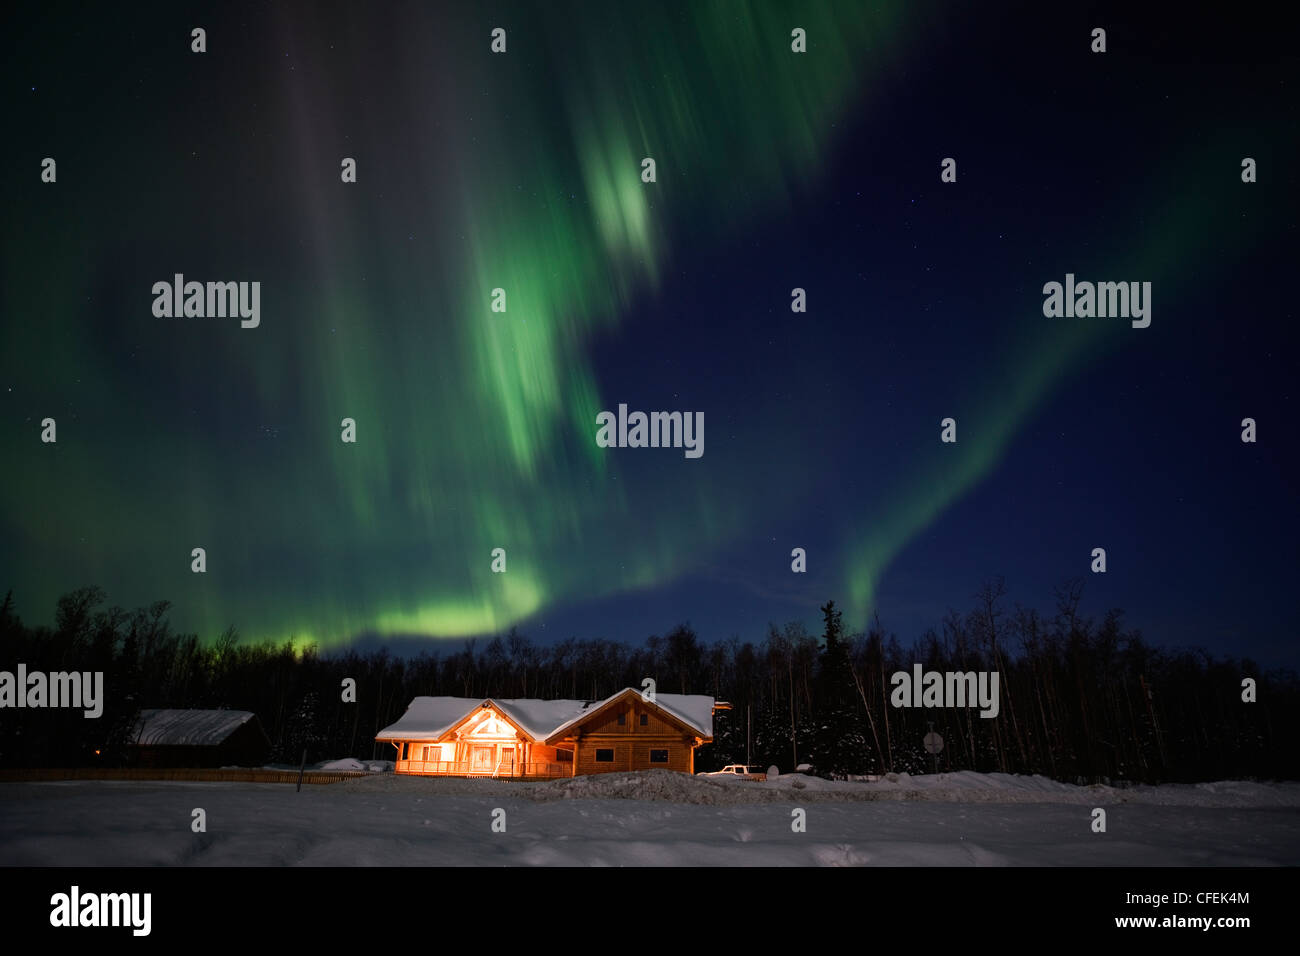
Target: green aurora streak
<point x="476" y="430"/>
<point x="482" y="436"/>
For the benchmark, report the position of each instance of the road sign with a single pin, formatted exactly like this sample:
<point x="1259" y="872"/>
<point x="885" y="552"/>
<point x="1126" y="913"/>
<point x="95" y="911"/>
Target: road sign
<point x="933" y="743"/>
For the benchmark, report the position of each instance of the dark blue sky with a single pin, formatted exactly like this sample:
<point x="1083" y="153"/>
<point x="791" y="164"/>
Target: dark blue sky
<point x="1065" y="163"/>
<point x="822" y="429"/>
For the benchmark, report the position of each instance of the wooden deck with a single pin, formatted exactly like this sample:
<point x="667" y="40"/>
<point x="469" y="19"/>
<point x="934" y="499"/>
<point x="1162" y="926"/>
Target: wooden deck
<point x="445" y="768"/>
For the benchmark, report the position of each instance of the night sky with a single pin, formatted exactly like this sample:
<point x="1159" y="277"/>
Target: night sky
<point x="775" y="170"/>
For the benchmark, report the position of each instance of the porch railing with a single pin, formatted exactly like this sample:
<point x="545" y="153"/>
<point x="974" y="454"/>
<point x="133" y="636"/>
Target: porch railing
<point x="464" y="768"/>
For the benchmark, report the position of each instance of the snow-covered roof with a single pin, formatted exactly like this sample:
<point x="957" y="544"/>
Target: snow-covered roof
<point x="428" y="718"/>
<point x="195" y="728"/>
<point x="539" y="718"/>
<point x="694" y="710"/>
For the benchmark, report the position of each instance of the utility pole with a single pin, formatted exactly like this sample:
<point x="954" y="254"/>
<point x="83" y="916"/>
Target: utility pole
<point x="749" y="724"/>
<point x="794" y="742"/>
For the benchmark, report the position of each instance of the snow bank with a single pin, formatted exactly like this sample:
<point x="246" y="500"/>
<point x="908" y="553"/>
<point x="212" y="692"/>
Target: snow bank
<point x="962" y="787"/>
<point x="351" y="763"/>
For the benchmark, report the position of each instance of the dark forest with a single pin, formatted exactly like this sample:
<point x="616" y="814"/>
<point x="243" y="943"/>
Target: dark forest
<point x="1082" y="700"/>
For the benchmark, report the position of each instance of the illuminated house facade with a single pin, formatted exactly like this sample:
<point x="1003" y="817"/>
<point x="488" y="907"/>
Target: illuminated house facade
<point x="472" y="736"/>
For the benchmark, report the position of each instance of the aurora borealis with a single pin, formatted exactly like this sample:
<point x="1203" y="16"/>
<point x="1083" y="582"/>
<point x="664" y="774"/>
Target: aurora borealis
<point x="521" y="171"/>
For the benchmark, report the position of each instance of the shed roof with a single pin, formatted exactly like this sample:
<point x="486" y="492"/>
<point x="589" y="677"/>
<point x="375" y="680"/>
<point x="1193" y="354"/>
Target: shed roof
<point x="194" y="728"/>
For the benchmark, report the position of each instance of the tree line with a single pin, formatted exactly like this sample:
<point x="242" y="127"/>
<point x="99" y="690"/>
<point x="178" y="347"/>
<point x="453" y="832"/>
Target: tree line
<point x="1080" y="700"/>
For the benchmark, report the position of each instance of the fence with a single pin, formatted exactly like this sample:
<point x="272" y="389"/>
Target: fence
<point x="250" y="775"/>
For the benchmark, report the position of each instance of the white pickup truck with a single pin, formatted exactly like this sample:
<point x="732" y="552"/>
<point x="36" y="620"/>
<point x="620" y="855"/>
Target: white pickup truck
<point x="740" y="771"/>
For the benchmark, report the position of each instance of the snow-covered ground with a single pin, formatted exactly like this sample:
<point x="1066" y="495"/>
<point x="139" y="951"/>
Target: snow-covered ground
<point x="351" y="763"/>
<point x="652" y="818"/>
<point x="347" y="763"/>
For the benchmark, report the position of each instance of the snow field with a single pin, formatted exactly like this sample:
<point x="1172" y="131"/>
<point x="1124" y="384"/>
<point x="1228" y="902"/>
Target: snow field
<point x="648" y="819"/>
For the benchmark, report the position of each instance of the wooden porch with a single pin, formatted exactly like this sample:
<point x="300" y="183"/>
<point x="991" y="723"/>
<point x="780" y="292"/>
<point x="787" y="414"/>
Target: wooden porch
<point x="464" y="768"/>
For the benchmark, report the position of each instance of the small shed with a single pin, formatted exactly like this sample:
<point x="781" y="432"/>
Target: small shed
<point x="199" y="738"/>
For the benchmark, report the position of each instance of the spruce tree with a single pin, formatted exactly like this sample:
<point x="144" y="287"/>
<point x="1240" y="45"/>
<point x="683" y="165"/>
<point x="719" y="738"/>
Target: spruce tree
<point x="840" y="739"/>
